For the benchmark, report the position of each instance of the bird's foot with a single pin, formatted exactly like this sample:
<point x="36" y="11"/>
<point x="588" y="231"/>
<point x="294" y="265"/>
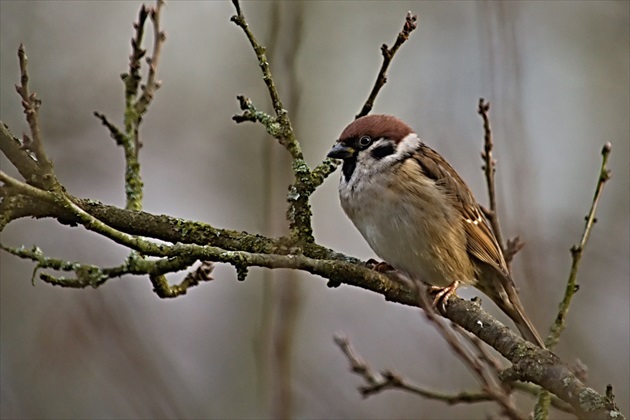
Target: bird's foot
<point x="442" y="294"/>
<point x="379" y="266"/>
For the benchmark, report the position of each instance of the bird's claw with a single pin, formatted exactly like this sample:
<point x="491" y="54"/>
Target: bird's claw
<point x="379" y="266"/>
<point x="442" y="294"/>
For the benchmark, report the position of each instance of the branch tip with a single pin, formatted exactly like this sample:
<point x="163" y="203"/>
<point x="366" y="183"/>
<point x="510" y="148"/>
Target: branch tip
<point x="388" y="54"/>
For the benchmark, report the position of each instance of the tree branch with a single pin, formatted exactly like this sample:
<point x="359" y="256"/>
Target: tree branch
<point x="387" y="379"/>
<point x="531" y="363"/>
<point x="388" y="55"/>
<point x="31" y="104"/>
<point x="578" y="250"/>
<point x="489" y="169"/>
<point x="285" y="133"/>
<point x="377" y="382"/>
<point x="137" y="230"/>
<point x="542" y="405"/>
<point x="495" y="391"/>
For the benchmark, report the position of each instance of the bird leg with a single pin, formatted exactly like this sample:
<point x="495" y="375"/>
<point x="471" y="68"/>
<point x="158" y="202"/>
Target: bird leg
<point x="442" y="294"/>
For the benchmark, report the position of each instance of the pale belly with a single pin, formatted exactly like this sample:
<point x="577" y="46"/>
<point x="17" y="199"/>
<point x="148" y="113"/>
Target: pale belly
<point x="412" y="237"/>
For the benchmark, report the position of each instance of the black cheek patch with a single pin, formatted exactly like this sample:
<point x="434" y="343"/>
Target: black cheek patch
<point x="380" y="152"/>
<point x="348" y="167"/>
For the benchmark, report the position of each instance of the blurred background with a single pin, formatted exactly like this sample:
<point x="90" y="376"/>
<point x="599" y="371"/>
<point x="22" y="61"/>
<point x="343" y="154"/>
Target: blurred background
<point x="556" y="75"/>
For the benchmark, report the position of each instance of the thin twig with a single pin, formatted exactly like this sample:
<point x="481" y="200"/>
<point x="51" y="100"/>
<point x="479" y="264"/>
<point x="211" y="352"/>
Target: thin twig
<point x="496" y="391"/>
<point x="93" y="276"/>
<point x="31" y="104"/>
<point x="388" y="54"/>
<point x="483" y="354"/>
<point x="489" y="168"/>
<point x="114" y="131"/>
<point x="133" y="78"/>
<point x="577" y="251"/>
<point x="533" y="390"/>
<point x="323" y="170"/>
<point x="162" y="288"/>
<point x="152" y="84"/>
<point x="286" y="135"/>
<point x="542" y="405"/>
<point x="130" y="141"/>
<point x="376" y="382"/>
<point x="512" y="247"/>
<point x="136" y="106"/>
<point x="328" y="166"/>
<point x="299" y="212"/>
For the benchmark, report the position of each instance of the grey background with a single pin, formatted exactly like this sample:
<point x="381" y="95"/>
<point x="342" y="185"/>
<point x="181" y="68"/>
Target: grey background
<point x="556" y="74"/>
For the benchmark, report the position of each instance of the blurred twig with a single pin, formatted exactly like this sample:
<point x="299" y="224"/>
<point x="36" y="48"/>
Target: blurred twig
<point x="387" y="379"/>
<point x="478" y="365"/>
<point x="377" y="382"/>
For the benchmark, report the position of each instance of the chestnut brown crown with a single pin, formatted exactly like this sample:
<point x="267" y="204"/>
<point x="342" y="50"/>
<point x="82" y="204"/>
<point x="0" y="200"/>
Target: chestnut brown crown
<point x="376" y="126"/>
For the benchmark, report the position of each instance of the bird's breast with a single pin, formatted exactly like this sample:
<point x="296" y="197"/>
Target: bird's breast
<point x="409" y="227"/>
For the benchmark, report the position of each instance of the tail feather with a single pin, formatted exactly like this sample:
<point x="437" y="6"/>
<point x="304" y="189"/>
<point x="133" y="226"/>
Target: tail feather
<point x="503" y="293"/>
<point x="525" y="326"/>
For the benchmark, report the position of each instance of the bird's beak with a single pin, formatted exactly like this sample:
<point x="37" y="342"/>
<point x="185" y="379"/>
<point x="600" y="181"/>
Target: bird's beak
<point x="341" y="151"/>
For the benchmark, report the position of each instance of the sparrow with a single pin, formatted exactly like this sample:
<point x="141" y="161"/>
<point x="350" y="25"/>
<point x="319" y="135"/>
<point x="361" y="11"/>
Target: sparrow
<point x="419" y="216"/>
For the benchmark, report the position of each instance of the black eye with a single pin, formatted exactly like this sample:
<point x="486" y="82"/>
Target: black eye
<point x="365" y="141"/>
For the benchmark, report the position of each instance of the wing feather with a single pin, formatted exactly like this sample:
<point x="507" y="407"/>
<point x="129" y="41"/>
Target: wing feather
<point x="481" y="242"/>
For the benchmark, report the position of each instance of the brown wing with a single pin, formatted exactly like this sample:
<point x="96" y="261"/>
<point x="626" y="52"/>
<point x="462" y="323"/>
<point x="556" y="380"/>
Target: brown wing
<point x="482" y="243"/>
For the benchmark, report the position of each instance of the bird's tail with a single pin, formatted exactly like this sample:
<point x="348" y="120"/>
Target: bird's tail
<point x="504" y="294"/>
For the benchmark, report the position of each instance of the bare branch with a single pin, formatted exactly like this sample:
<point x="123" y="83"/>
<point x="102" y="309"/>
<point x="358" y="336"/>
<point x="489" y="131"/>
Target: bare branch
<point x="136" y="107"/>
<point x="152" y="83"/>
<point x="22" y="160"/>
<point x="376" y="383"/>
<point x="549" y="370"/>
<point x="114" y="131"/>
<point x="495" y="391"/>
<point x="136" y="230"/>
<point x="328" y="166"/>
<point x="31" y="104"/>
<point x="286" y="136"/>
<point x="542" y="405"/>
<point x="578" y="250"/>
<point x="489" y="168"/>
<point x="388" y="55"/>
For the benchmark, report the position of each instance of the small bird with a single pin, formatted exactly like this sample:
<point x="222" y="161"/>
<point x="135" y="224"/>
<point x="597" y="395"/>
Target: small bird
<point x="417" y="214"/>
